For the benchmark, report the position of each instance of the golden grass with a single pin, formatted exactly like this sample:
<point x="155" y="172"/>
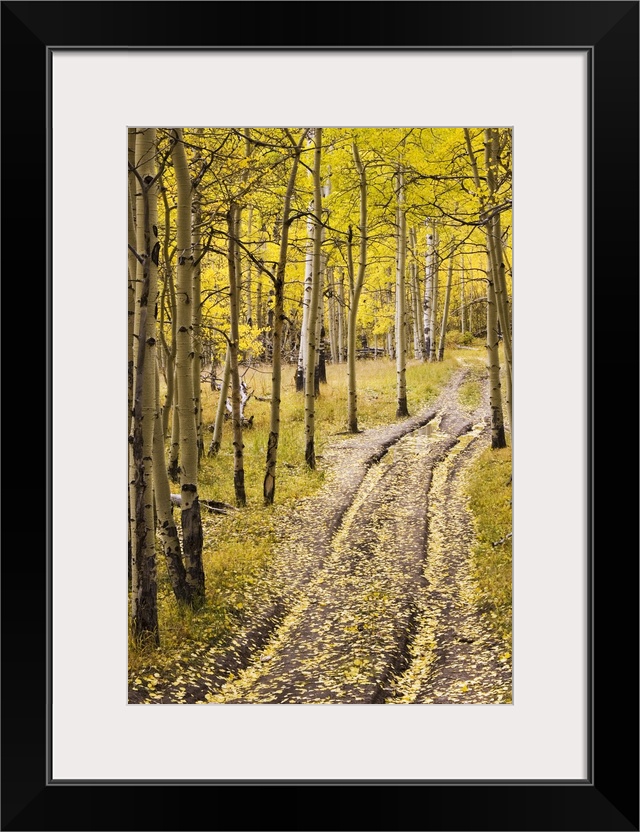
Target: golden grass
<point x="490" y="501"/>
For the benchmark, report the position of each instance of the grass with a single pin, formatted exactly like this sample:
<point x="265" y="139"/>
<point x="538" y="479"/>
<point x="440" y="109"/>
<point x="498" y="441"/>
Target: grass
<point x="238" y="547"/>
<point x="489" y="490"/>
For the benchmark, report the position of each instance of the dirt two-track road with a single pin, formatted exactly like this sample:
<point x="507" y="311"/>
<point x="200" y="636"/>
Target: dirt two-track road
<point x="378" y="599"/>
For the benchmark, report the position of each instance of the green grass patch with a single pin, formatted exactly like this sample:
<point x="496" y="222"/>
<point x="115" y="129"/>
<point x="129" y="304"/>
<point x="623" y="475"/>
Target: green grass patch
<point x="489" y="490"/>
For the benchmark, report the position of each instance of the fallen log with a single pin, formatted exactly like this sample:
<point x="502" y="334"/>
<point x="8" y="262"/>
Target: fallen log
<point x="211" y="505"/>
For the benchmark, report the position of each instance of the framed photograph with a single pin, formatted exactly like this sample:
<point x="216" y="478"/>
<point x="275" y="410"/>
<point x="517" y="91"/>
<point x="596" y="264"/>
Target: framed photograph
<point x="562" y="78"/>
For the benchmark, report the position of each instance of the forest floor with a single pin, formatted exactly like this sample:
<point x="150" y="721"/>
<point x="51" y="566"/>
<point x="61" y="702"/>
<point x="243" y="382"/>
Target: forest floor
<point x="374" y="597"/>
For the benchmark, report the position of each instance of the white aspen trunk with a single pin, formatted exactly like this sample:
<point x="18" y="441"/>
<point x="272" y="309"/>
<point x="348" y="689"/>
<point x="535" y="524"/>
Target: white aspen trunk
<point x="190" y="504"/>
<point x="168" y="293"/>
<point x="428" y="296"/>
<point x="493" y="360"/>
<point x="173" y="468"/>
<point x="306" y="304"/>
<point x="167" y="531"/>
<point x="269" y="484"/>
<point x="132" y="269"/>
<point x="401" y="334"/>
<point x="418" y="323"/>
<point x="196" y="325"/>
<point x="434" y="295"/>
<point x="341" y="346"/>
<point x="309" y="387"/>
<point x="445" y="311"/>
<point x="216" y="439"/>
<point x="462" y="298"/>
<point x="494" y="240"/>
<point x="249" y="278"/>
<point x="331" y="315"/>
<point x="143" y="566"/>
<point x="233" y="228"/>
<point x="355" y="284"/>
<point x="318" y="333"/>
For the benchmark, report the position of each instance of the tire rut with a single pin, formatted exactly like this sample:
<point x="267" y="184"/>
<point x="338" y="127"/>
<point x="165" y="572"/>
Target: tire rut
<point x="349" y="631"/>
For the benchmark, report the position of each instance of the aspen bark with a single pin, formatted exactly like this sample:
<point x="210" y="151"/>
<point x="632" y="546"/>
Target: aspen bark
<point x="173" y="468"/>
<point x="434" y="294"/>
<point x="428" y="296"/>
<point x="216" y="439"/>
<point x="418" y="323"/>
<point x="167" y="530"/>
<point x="355" y="285"/>
<point x="233" y="228"/>
<point x="143" y="567"/>
<point x="309" y="387"/>
<point x="269" y="484"/>
<point x="190" y="514"/>
<point x="196" y="323"/>
<point x="401" y="333"/>
<point x="494" y="242"/>
<point x="341" y="347"/>
<point x="445" y="311"/>
<point x="493" y="361"/>
<point x="462" y="298"/>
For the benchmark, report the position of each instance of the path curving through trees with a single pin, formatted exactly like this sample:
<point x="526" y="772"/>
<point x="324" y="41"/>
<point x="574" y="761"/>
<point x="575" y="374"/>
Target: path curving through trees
<point x="372" y="619"/>
<point x="376" y="595"/>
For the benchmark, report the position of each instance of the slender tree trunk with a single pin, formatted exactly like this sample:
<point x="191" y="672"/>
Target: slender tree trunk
<point x="428" y="296"/>
<point x="269" y="484"/>
<point x="259" y="302"/>
<point x="341" y="347"/>
<point x="132" y="269"/>
<point x="445" y="312"/>
<point x="144" y="579"/>
<point x="216" y="439"/>
<point x="355" y="285"/>
<point x="196" y="324"/>
<point x="306" y="305"/>
<point x="191" y="519"/>
<point x="418" y="330"/>
<point x="495" y="398"/>
<point x="167" y="530"/>
<point x="173" y="468"/>
<point x="401" y="332"/>
<point x="249" y="278"/>
<point x="309" y="388"/>
<point x="332" y="315"/>
<point x="434" y="295"/>
<point x="168" y="294"/>
<point x="494" y="241"/>
<point x="462" y="298"/>
<point x="233" y="227"/>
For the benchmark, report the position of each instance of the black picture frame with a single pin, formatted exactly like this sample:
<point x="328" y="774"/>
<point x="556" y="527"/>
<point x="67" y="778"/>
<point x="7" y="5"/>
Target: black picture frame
<point x="608" y="798"/>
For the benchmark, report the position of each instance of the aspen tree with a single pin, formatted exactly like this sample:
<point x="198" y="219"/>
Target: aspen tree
<point x="429" y="336"/>
<point x="233" y="229"/>
<point x="167" y="529"/>
<point x="269" y="484"/>
<point x="434" y="293"/>
<point x="445" y="311"/>
<point x="341" y="348"/>
<point x="493" y="358"/>
<point x="401" y="332"/>
<point x="418" y="323"/>
<point x="216" y="438"/>
<point x="144" y="614"/>
<point x="355" y="289"/>
<point x="309" y="387"/>
<point x="190" y="503"/>
<point x="494" y="243"/>
<point x="462" y="298"/>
